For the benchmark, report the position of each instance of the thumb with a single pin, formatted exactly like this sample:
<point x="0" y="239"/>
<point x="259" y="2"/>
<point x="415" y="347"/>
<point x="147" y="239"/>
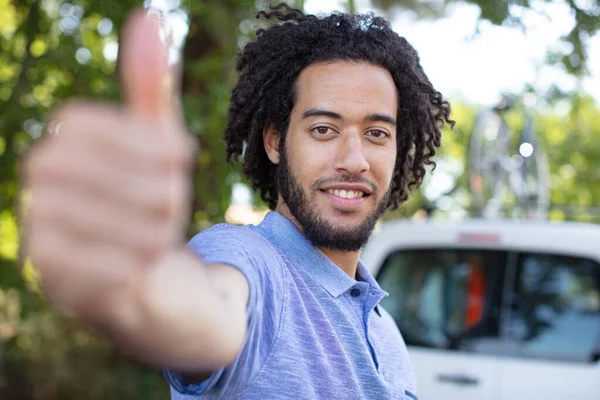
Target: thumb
<point x="146" y="79"/>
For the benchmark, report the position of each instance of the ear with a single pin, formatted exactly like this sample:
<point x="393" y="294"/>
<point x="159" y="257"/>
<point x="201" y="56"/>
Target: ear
<point x="271" y="141"/>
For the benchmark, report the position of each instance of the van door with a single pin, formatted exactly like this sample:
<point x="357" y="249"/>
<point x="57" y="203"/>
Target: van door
<point x="447" y="304"/>
<point x="553" y="329"/>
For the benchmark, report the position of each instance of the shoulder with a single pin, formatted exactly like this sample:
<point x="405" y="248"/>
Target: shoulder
<point x="227" y="238"/>
<point x="242" y="247"/>
<point x="226" y="233"/>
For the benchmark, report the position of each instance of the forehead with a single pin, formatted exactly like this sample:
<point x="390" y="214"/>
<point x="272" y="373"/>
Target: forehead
<point x="347" y="87"/>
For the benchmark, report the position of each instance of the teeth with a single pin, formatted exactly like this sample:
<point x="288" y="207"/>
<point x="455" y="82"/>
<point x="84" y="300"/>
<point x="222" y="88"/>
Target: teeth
<point x="346" y="194"/>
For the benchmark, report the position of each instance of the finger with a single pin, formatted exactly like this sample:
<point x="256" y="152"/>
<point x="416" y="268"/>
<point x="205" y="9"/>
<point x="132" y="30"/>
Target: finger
<point x="73" y="271"/>
<point x="100" y="128"/>
<point x="170" y="21"/>
<point x="147" y="192"/>
<point x="144" y="68"/>
<point x="174" y="87"/>
<point x="83" y="216"/>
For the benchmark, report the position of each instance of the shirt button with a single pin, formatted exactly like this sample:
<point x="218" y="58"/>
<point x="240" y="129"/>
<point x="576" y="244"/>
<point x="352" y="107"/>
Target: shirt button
<point x="355" y="292"/>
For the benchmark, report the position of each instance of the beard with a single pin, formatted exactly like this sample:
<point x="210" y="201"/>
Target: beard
<point x="320" y="232"/>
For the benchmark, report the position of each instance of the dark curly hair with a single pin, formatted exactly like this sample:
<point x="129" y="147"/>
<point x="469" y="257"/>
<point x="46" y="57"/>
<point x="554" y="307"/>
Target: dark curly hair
<point x="269" y="67"/>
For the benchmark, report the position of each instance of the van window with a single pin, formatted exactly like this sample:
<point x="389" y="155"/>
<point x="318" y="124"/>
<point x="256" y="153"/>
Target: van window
<point x="446" y="298"/>
<point x="555" y="308"/>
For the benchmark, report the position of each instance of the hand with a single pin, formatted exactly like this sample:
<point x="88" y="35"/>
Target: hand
<point x="110" y="190"/>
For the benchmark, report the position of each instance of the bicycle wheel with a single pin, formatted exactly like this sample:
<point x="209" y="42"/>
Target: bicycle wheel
<point x="488" y="154"/>
<point x="533" y="192"/>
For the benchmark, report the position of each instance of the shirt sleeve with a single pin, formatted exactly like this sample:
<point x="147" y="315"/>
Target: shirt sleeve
<point x="246" y="250"/>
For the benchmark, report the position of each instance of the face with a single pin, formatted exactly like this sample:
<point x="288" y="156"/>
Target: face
<point x="336" y="168"/>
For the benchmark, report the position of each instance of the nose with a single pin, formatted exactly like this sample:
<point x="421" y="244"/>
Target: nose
<point x="350" y="157"/>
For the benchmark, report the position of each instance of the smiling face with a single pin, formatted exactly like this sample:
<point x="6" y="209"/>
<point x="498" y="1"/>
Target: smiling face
<point x="335" y="172"/>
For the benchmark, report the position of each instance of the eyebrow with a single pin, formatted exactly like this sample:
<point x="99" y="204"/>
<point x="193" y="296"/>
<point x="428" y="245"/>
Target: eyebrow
<point x="381" y="118"/>
<point x="315" y="112"/>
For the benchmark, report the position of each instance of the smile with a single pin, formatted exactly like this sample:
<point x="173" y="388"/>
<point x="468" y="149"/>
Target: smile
<point x="346" y="200"/>
<point x="346" y="194"/>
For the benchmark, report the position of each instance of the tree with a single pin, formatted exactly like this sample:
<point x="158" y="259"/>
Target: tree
<point x="502" y="12"/>
<point x="52" y="51"/>
<point x="570" y="138"/>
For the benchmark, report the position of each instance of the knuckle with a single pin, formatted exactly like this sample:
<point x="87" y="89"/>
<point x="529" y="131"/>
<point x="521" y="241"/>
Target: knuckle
<point x="160" y="204"/>
<point x="46" y="255"/>
<point x="30" y="164"/>
<point x="71" y="108"/>
<point x="43" y="158"/>
<point x="65" y="116"/>
<point x="174" y="150"/>
<point x="153" y="195"/>
<point x="41" y="171"/>
<point x="172" y="155"/>
<point x="151" y="242"/>
<point x="38" y="166"/>
<point x="182" y="147"/>
<point x="77" y="117"/>
<point x="181" y="192"/>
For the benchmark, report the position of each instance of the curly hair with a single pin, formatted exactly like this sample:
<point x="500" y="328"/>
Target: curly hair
<point x="265" y="92"/>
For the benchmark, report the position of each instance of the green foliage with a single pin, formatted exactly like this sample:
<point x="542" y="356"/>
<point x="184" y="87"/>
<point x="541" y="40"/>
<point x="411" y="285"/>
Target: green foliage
<point x="53" y="51"/>
<point x="503" y="12"/>
<point x="587" y="24"/>
<point x="49" y="356"/>
<point x="572" y="140"/>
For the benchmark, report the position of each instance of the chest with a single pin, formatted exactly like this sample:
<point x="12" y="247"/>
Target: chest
<point x="336" y="347"/>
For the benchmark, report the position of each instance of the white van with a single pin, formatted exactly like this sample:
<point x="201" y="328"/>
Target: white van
<point x="495" y="310"/>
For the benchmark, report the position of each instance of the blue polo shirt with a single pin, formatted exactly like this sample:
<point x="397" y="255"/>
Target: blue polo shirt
<point x="313" y="331"/>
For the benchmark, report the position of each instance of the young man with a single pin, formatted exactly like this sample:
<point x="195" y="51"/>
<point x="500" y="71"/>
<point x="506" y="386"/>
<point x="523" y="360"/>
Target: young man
<point x="335" y="120"/>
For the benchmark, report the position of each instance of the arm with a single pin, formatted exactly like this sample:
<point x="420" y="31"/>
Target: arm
<point x="183" y="314"/>
<point x="106" y="235"/>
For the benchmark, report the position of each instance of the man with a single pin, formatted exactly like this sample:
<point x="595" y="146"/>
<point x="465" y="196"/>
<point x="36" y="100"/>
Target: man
<point x="335" y="120"/>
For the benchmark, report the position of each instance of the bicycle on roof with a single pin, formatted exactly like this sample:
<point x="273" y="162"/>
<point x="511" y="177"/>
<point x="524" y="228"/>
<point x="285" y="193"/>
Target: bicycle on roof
<point x="504" y="177"/>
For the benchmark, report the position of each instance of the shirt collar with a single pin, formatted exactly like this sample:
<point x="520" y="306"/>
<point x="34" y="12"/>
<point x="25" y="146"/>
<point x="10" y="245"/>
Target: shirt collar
<point x="364" y="275"/>
<point x="309" y="261"/>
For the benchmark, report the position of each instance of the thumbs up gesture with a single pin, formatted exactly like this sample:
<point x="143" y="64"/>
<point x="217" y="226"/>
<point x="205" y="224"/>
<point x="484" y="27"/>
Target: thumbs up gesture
<point x="109" y="192"/>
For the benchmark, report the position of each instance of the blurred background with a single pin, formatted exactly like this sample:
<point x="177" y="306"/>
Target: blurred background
<point x="543" y="54"/>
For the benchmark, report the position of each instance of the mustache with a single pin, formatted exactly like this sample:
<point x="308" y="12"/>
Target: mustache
<point x="345" y="179"/>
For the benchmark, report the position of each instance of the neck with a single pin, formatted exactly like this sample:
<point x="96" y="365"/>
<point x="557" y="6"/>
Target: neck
<point x="347" y="261"/>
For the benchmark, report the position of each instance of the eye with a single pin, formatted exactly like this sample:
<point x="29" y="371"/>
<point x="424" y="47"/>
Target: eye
<point x="378" y="134"/>
<point x="322" y="130"/>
